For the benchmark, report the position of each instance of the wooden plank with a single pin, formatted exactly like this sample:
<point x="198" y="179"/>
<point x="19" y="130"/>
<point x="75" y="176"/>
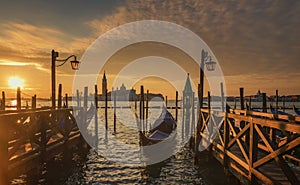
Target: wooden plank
<point x="286" y="147"/>
<point x="252" y="151"/>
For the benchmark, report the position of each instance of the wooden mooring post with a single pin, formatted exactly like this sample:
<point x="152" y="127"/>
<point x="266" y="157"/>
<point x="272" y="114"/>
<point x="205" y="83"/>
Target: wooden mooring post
<point x="33" y="102"/>
<point x="106" y="121"/>
<point x="78" y="98"/>
<point x="59" y="104"/>
<point x="276" y="104"/>
<point x="142" y="109"/>
<point x="18" y="98"/>
<point x="147" y="108"/>
<point x="3" y="101"/>
<point x="96" y="117"/>
<point x="176" y="105"/>
<point x="242" y="98"/>
<point x="115" y="112"/>
<point x="66" y="101"/>
<point x="222" y="97"/>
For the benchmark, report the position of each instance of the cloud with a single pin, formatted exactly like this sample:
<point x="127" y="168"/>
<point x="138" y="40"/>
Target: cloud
<point x="247" y="36"/>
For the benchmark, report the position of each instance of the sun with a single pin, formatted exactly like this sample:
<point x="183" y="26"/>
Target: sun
<point x="15" y="82"/>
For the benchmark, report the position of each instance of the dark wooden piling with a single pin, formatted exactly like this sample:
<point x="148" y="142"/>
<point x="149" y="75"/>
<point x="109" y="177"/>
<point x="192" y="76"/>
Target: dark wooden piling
<point x="264" y="102"/>
<point x="276" y="105"/>
<point x="115" y="112"/>
<point x="176" y="105"/>
<point x="96" y="117"/>
<point x="208" y="103"/>
<point x="59" y="103"/>
<point x="135" y="104"/>
<point x="222" y="97"/>
<point x="242" y="98"/>
<point x="85" y="104"/>
<point x="66" y="100"/>
<point x="166" y="102"/>
<point x="234" y="103"/>
<point x="142" y="108"/>
<point x="147" y="108"/>
<point x="78" y="98"/>
<point x="3" y="101"/>
<point x="18" y="98"/>
<point x="106" y="121"/>
<point x="33" y="102"/>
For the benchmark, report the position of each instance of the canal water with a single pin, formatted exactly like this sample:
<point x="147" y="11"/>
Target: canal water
<point x="94" y="168"/>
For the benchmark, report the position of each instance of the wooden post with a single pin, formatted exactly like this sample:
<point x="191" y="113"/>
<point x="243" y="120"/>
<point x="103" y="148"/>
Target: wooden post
<point x="66" y="100"/>
<point x="135" y="104"/>
<point x="176" y="106"/>
<point x="226" y="136"/>
<point x="142" y="108"/>
<point x="147" y="103"/>
<point x="3" y="100"/>
<point x="115" y="112"/>
<point x="242" y="98"/>
<point x="276" y="105"/>
<point x="106" y="99"/>
<point x="96" y="118"/>
<point x="59" y="96"/>
<point x="208" y="102"/>
<point x="222" y="97"/>
<point x="166" y="102"/>
<point x="85" y="105"/>
<point x="33" y="102"/>
<point x="3" y="151"/>
<point x="252" y="151"/>
<point x="78" y="98"/>
<point x="264" y="104"/>
<point x="18" y="98"/>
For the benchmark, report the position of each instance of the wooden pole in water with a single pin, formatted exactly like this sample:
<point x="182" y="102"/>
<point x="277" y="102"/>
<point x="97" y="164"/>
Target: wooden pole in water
<point x="106" y="122"/>
<point x="142" y="108"/>
<point x="59" y="96"/>
<point x="147" y="102"/>
<point x="33" y="102"/>
<point x="96" y="116"/>
<point x="222" y="97"/>
<point x="242" y="98"/>
<point x="208" y="103"/>
<point x="66" y="100"/>
<point x="234" y="103"/>
<point x="3" y="100"/>
<point x="264" y="104"/>
<point x="135" y="104"/>
<point x="85" y="104"/>
<point x="276" y="105"/>
<point x="166" y="102"/>
<point x="77" y="98"/>
<point x="18" y="98"/>
<point x="176" y="106"/>
<point x="115" y="112"/>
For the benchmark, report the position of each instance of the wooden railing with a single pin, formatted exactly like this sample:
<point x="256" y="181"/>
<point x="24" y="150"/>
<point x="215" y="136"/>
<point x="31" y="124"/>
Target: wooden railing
<point x="31" y="137"/>
<point x="255" y="146"/>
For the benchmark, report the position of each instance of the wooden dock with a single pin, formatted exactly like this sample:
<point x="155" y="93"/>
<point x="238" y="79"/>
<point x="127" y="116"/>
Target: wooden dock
<point x="30" y="138"/>
<point x="255" y="147"/>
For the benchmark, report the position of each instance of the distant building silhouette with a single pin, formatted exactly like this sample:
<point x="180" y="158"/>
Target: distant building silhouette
<point x="104" y="84"/>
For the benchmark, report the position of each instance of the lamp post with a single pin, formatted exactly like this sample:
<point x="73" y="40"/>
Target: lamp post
<point x="210" y="66"/>
<point x="74" y="65"/>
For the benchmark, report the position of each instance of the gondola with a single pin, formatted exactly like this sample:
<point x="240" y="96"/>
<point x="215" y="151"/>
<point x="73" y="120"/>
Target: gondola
<point x="296" y="110"/>
<point x="274" y="111"/>
<point x="163" y="128"/>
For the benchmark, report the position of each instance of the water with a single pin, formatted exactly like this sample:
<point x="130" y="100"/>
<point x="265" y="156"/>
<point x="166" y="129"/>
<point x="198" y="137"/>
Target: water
<point x="93" y="168"/>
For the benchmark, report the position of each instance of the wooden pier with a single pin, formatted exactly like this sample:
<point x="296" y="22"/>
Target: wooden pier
<point x="255" y="147"/>
<point x="30" y="138"/>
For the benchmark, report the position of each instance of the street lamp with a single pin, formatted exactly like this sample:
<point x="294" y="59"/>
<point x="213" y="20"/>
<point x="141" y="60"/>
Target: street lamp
<point x="74" y="65"/>
<point x="210" y="66"/>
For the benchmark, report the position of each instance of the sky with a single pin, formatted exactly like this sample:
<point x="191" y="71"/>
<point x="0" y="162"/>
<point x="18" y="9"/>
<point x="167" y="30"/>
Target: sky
<point x="256" y="42"/>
